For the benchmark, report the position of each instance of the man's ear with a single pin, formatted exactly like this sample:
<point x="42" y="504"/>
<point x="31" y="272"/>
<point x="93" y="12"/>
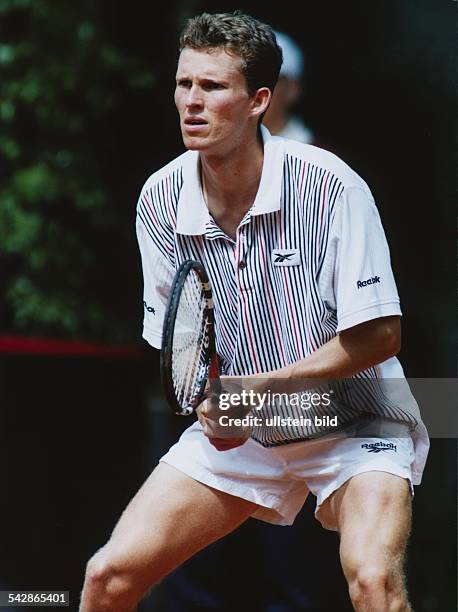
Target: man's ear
<point x="260" y="101"/>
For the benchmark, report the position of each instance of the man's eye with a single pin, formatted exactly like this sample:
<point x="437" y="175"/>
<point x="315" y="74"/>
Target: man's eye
<point x="184" y="83"/>
<point x="212" y="85"/>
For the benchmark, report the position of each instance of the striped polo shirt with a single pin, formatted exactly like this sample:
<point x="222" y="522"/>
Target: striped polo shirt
<point x="309" y="260"/>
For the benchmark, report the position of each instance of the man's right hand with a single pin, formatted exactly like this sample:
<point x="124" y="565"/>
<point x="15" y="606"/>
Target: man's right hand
<point x="222" y="437"/>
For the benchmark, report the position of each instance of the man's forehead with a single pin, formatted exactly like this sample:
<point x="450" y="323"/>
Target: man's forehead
<point x="216" y="61"/>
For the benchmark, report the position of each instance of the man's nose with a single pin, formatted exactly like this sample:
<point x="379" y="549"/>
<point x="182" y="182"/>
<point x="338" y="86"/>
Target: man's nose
<point x="194" y="97"/>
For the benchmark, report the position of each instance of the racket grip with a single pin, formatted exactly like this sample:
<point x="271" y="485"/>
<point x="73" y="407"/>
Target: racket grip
<point x="213" y="375"/>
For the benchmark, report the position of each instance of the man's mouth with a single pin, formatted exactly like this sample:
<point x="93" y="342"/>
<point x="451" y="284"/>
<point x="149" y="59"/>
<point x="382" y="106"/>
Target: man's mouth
<point x="195" y="121"/>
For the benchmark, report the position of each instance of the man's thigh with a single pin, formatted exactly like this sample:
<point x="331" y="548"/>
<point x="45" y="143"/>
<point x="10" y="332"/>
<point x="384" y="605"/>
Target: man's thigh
<point x="372" y="512"/>
<point x="170" y="518"/>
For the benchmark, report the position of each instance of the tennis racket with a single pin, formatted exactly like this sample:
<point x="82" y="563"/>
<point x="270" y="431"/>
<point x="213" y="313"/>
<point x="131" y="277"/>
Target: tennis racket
<point x="188" y="355"/>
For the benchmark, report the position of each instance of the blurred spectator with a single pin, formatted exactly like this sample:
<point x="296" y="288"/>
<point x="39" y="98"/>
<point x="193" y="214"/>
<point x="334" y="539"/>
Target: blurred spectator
<point x="280" y="118"/>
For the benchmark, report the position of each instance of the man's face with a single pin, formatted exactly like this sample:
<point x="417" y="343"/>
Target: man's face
<point x="212" y="100"/>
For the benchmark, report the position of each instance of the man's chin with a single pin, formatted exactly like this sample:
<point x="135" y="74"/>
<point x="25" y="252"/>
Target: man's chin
<point x="194" y="144"/>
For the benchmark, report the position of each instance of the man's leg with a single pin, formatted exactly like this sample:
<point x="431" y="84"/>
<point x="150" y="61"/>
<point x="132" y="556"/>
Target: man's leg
<point x="373" y="515"/>
<point x="169" y="519"/>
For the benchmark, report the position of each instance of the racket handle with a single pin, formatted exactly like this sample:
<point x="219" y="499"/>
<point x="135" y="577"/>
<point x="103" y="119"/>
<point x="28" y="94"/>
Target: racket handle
<point x="213" y="375"/>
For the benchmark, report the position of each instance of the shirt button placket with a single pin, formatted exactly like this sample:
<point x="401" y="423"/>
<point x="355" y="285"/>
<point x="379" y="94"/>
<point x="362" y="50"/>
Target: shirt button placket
<point x="242" y="262"/>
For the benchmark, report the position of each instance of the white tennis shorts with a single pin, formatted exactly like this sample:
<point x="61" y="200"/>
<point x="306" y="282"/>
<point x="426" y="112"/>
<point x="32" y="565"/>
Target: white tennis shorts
<point x="279" y="478"/>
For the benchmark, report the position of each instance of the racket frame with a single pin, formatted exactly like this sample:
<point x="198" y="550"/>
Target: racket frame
<point x="210" y="355"/>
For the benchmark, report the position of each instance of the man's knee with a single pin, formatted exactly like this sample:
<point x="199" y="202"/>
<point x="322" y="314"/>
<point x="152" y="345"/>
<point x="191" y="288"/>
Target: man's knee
<point x="366" y="581"/>
<point x="377" y="585"/>
<point x="109" y="585"/>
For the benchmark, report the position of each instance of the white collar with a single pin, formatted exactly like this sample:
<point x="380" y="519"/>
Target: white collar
<point x="192" y="212"/>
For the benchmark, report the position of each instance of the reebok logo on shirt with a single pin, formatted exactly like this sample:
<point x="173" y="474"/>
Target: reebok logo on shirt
<point x="369" y="281"/>
<point x="286" y="257"/>
<point x="149" y="308"/>
<point x="282" y="258"/>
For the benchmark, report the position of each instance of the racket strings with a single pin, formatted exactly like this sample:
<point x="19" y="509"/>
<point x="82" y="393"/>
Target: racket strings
<point x="188" y="351"/>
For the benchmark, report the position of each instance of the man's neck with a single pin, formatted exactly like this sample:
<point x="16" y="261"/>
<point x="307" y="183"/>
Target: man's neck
<point x="230" y="183"/>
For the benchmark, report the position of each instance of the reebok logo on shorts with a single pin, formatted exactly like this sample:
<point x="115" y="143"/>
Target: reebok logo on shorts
<point x="378" y="447"/>
<point x="369" y="281"/>
<point x="286" y="257"/>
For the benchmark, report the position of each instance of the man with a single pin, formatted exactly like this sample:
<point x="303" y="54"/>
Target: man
<point x="303" y="289"/>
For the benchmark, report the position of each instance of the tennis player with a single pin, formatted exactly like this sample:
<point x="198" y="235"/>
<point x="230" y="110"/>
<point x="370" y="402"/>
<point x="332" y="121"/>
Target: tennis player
<point x="296" y="254"/>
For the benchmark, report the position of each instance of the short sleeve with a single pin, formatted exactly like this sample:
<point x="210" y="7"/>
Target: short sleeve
<point x="158" y="273"/>
<point x="356" y="279"/>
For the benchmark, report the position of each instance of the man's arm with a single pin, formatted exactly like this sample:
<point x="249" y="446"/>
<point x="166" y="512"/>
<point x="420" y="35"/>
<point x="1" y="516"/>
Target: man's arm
<point x="353" y="350"/>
